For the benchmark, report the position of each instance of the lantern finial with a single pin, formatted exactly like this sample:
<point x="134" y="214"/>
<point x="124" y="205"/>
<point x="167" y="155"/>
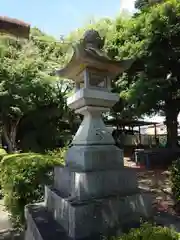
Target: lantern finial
<point x="92" y="39"/>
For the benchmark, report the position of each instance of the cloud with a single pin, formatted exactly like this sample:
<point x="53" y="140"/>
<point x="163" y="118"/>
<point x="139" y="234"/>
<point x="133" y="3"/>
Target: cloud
<point x="127" y="5"/>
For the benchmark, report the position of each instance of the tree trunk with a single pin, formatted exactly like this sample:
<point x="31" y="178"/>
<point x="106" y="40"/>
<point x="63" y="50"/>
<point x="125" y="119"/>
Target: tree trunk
<point x="10" y="136"/>
<point x="7" y="139"/>
<point x="172" y="126"/>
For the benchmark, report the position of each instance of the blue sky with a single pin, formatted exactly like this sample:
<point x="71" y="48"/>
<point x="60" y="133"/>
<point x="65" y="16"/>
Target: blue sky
<point x="58" y="17"/>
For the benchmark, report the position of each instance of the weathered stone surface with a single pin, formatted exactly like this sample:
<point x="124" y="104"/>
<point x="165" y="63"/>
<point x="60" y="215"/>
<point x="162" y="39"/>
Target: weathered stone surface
<point x="41" y="225"/>
<point x="94" y="158"/>
<point x="168" y="220"/>
<point x="96" y="184"/>
<point x="32" y="233"/>
<point x="92" y="130"/>
<point x="84" y="218"/>
<point x="92" y="97"/>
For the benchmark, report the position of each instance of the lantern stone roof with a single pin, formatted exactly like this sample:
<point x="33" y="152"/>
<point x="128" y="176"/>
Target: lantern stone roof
<point x="89" y="54"/>
<point x="15" y="27"/>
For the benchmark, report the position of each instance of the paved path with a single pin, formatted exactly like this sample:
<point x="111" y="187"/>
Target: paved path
<point x="6" y="232"/>
<point x="4" y="218"/>
<point x="5" y="224"/>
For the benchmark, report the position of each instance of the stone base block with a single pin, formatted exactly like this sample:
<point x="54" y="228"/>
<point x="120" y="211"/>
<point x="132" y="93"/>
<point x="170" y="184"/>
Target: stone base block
<point x="29" y="235"/>
<point x="87" y="185"/>
<point x="94" y="158"/>
<point x="41" y="225"/>
<point x="84" y="218"/>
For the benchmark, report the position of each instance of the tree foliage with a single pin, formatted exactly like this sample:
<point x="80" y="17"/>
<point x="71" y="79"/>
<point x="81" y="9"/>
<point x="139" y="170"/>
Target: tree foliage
<point x="144" y="4"/>
<point x="152" y="84"/>
<point x="27" y="81"/>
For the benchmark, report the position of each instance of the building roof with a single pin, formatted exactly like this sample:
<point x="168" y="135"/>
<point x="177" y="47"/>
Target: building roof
<point x="15" y="27"/>
<point x="128" y="123"/>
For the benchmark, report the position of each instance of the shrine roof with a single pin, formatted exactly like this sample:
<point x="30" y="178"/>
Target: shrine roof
<point x="126" y="122"/>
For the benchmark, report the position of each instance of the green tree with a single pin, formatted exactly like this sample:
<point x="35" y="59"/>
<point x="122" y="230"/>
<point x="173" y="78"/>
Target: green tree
<point x="26" y="80"/>
<point x="153" y="83"/>
<point x="47" y="126"/>
<point x="143" y="4"/>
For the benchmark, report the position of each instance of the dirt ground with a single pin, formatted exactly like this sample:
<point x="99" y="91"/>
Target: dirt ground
<point x="158" y="182"/>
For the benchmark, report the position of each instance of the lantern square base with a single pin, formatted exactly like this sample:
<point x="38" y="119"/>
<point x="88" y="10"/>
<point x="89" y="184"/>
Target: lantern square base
<point x="81" y="219"/>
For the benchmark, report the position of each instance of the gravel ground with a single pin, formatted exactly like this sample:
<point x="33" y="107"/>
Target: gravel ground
<point x="158" y="182"/>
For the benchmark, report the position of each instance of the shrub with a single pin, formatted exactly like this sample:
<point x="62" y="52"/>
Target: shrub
<point x="59" y="153"/>
<point x="2" y="153"/>
<point x="23" y="177"/>
<point x="175" y="179"/>
<point x="149" y="232"/>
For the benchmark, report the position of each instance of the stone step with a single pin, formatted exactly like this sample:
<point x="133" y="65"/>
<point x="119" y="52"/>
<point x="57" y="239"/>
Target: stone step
<point x="42" y="226"/>
<point x="87" y="185"/>
<point x="94" y="158"/>
<point x="84" y="218"/>
<point x="167" y="220"/>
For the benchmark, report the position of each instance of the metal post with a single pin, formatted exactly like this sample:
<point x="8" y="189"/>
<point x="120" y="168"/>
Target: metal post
<point x="139" y="134"/>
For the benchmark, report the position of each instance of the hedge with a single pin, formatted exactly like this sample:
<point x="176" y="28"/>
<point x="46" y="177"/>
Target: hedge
<point x="2" y="153"/>
<point x="23" y="177"/>
<point x="149" y="232"/>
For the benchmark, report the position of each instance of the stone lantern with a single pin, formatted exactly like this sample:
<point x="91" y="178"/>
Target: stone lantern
<point x="94" y="193"/>
<point x="92" y="70"/>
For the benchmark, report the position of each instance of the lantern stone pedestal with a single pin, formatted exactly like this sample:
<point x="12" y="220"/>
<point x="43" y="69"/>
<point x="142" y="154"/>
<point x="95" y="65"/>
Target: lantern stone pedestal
<point x="94" y="193"/>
